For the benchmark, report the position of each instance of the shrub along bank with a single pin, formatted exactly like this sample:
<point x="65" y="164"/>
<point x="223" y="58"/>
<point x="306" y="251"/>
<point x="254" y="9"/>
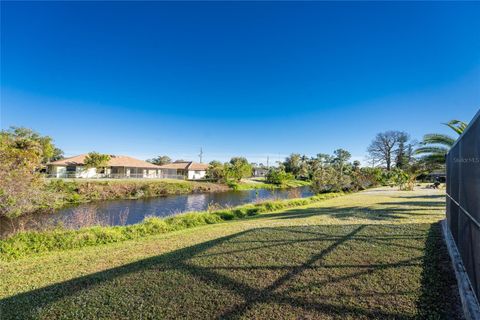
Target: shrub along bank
<point x="246" y="185"/>
<point x="32" y="242"/>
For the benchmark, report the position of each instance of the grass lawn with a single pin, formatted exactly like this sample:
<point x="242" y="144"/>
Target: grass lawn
<point x="259" y="183"/>
<point x="375" y="254"/>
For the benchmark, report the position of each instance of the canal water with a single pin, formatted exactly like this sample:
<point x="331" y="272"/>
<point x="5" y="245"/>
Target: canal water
<point x="126" y="212"/>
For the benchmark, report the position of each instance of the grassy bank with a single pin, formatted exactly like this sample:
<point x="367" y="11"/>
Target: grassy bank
<point x="370" y="255"/>
<point x="26" y="243"/>
<point x="261" y="184"/>
<point x="74" y="191"/>
<point x="59" y="193"/>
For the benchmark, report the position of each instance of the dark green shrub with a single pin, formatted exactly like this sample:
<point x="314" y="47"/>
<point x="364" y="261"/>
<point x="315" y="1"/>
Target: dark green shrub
<point x="225" y="215"/>
<point x="278" y="176"/>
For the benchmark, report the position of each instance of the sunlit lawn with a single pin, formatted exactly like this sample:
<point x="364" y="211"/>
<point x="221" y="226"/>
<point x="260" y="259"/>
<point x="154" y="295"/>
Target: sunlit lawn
<point x="377" y="254"/>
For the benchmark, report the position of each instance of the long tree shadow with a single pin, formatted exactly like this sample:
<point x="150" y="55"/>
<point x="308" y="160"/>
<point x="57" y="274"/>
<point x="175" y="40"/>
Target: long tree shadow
<point x="427" y="204"/>
<point x="347" y="271"/>
<point x="425" y="196"/>
<point x="390" y="211"/>
<point x="438" y="276"/>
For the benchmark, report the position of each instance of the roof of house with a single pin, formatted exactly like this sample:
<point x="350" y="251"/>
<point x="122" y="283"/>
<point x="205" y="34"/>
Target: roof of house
<point x="175" y="165"/>
<point x="115" y="161"/>
<point x="198" y="166"/>
<point x="185" y="165"/>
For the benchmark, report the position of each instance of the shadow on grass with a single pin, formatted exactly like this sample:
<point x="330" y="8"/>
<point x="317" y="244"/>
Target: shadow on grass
<point x="437" y="277"/>
<point x="394" y="210"/>
<point x="420" y="204"/>
<point x="348" y="271"/>
<point x="426" y="196"/>
<point x="351" y="212"/>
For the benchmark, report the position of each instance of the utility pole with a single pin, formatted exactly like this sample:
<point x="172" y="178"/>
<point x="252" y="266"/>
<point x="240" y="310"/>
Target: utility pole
<point x="268" y="161"/>
<point x="201" y="155"/>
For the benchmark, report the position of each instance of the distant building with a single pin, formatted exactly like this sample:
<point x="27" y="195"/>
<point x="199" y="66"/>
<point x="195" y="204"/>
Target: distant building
<point x="126" y="167"/>
<point x="260" y="172"/>
<point x="188" y="169"/>
<point x="118" y="167"/>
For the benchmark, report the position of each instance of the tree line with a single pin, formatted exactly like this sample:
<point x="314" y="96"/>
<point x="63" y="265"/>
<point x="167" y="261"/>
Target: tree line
<point x="394" y="159"/>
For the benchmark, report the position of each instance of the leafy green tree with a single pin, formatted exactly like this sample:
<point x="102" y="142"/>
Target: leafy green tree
<point x="325" y="180"/>
<point x="304" y="172"/>
<point x="25" y="138"/>
<point x="278" y="176"/>
<point x="293" y="164"/>
<point x="363" y="178"/>
<point x="356" y="165"/>
<point x="21" y="186"/>
<point x="405" y="179"/>
<point x="435" y="146"/>
<point x="215" y="171"/>
<point x="341" y="158"/>
<point x="400" y="154"/>
<point x="160" y="160"/>
<point x="96" y="160"/>
<point x="404" y="152"/>
<point x="238" y="168"/>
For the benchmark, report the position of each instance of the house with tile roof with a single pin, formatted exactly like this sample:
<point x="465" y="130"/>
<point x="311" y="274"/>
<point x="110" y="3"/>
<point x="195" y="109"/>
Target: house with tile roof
<point x="118" y="167"/>
<point x="189" y="169"/>
<point x="126" y="167"/>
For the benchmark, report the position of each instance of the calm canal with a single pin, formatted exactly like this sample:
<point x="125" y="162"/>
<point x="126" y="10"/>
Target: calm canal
<point x="126" y="212"/>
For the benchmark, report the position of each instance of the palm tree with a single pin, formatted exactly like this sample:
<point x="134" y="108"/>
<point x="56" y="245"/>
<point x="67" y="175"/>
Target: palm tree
<point x="435" y="146"/>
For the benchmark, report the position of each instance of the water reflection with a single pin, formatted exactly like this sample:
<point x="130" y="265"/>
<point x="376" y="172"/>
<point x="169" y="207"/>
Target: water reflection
<point x="126" y="212"/>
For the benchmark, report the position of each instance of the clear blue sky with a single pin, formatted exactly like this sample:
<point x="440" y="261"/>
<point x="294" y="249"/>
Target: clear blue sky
<point x="250" y="78"/>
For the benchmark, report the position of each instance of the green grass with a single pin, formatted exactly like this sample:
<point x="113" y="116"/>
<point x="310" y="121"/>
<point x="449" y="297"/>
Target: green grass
<point x="370" y="255"/>
<point x="260" y="184"/>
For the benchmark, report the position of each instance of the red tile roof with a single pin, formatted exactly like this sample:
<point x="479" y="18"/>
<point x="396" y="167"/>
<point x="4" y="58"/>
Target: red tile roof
<point x="183" y="165"/>
<point x="115" y="161"/>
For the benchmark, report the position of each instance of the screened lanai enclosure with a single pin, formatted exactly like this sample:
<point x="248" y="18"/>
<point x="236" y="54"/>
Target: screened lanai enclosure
<point x="463" y="199"/>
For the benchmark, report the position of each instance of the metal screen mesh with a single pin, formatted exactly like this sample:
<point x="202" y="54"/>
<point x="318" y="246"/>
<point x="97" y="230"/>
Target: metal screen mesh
<point x="463" y="199"/>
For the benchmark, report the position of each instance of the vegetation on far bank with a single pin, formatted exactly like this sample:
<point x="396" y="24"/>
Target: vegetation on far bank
<point x="78" y="190"/>
<point x="259" y="183"/>
<point x="57" y="193"/>
<point x="370" y="255"/>
<point x="30" y="242"/>
<point x="24" y="154"/>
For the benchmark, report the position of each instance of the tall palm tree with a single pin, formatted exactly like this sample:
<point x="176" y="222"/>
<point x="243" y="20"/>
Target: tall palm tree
<point x="435" y="146"/>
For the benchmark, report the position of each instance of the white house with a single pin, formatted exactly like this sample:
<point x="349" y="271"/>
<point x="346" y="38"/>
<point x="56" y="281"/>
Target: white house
<point x="260" y="171"/>
<point x="188" y="169"/>
<point x="118" y="167"/>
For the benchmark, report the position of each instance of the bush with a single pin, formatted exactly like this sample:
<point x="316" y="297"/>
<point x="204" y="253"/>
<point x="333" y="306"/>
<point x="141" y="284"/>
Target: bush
<point x="278" y="176"/>
<point x="225" y="214"/>
<point x="21" y="187"/>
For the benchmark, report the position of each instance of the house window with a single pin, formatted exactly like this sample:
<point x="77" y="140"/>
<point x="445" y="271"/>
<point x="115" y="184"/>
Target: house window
<point x="71" y="169"/>
<point x="197" y="172"/>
